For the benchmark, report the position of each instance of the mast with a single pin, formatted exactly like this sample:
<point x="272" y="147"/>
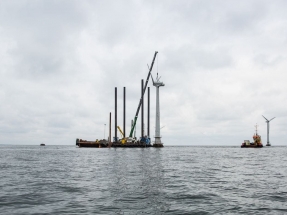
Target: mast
<point x="124" y="126"/>
<point x="148" y="109"/>
<point x="110" y="128"/>
<point x="142" y="110"/>
<point x="116" y="116"/>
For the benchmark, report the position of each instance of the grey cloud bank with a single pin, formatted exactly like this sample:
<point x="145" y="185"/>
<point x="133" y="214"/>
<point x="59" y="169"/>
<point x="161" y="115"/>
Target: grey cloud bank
<point x="223" y="64"/>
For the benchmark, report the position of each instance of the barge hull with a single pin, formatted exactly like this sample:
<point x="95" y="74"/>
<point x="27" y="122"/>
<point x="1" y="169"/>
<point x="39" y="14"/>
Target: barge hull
<point x="101" y="144"/>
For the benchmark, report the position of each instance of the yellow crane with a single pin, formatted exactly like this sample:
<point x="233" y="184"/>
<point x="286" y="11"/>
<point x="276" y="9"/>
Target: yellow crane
<point x="123" y="140"/>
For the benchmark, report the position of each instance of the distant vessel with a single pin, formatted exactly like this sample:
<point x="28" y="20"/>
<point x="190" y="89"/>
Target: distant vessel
<point x="257" y="141"/>
<point x="42" y="144"/>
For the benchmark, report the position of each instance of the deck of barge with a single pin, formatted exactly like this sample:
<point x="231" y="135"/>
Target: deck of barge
<point x="106" y="144"/>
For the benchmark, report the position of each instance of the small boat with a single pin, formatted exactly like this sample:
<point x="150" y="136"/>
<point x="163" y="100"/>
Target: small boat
<point x="257" y="141"/>
<point x="42" y="144"/>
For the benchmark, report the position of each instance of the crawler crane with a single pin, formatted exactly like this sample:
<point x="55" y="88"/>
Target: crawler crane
<point x="123" y="140"/>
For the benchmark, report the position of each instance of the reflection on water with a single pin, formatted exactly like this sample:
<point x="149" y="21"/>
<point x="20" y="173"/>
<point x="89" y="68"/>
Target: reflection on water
<point x="138" y="181"/>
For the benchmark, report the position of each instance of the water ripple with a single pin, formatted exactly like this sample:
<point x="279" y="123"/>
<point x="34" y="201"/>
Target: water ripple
<point x="171" y="180"/>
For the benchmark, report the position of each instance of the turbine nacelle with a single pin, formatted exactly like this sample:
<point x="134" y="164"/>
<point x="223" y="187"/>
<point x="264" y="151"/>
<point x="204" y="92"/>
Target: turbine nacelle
<point x="158" y="84"/>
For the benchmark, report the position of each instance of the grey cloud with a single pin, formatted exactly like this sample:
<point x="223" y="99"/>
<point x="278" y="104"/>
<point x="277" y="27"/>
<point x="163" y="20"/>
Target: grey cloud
<point x="222" y="63"/>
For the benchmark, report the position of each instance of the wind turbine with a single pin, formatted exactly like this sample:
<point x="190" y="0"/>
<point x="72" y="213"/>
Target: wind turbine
<point x="157" y="84"/>
<point x="267" y="121"/>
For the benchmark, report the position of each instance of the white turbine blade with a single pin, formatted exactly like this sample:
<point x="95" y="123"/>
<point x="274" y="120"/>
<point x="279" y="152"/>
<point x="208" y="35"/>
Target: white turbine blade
<point x="271" y="119"/>
<point x="265" y="118"/>
<point x="152" y="79"/>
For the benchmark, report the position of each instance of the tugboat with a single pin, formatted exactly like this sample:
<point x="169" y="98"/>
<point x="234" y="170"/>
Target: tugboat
<point x="257" y="141"/>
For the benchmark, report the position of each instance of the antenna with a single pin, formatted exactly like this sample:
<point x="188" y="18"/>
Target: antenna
<point x="256" y="128"/>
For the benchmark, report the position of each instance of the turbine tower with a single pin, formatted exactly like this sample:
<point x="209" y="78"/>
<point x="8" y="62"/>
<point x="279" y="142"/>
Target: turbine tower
<point x="267" y="121"/>
<point x="157" y="84"/>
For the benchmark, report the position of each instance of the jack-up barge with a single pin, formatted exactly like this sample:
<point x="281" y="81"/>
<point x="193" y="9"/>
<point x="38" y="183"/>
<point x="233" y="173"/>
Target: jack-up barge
<point x="130" y="141"/>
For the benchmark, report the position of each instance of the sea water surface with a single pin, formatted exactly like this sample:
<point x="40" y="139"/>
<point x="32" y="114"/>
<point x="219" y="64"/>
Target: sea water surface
<point x="169" y="180"/>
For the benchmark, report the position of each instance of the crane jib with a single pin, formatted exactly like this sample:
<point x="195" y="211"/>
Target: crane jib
<point x="147" y="79"/>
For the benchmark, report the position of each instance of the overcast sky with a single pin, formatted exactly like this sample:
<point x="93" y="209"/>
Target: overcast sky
<point x="223" y="64"/>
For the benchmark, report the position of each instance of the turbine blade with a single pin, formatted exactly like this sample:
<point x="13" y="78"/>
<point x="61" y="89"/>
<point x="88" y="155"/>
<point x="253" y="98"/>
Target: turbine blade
<point x="265" y="118"/>
<point x="271" y="119"/>
<point x="152" y="79"/>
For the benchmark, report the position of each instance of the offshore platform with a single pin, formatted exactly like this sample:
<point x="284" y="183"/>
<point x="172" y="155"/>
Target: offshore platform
<point x="132" y="140"/>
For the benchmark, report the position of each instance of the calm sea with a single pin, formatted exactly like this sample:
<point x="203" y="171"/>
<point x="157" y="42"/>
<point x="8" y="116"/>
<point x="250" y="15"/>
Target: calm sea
<point x="169" y="180"/>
